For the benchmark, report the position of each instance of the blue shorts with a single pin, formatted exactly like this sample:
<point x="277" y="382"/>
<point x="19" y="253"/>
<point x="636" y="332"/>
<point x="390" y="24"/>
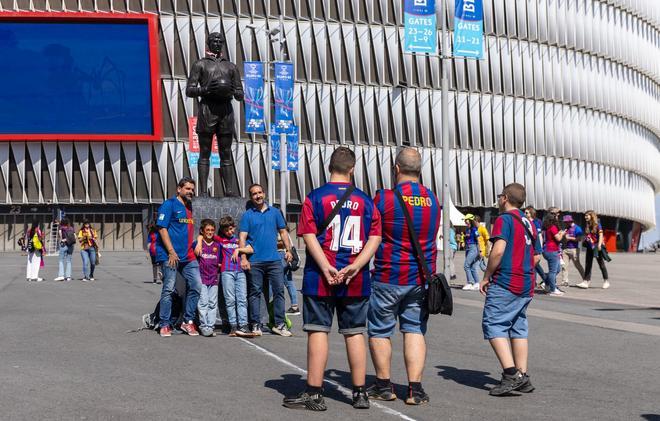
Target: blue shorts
<point x="318" y="313"/>
<point x="505" y="314"/>
<point x="391" y="302"/>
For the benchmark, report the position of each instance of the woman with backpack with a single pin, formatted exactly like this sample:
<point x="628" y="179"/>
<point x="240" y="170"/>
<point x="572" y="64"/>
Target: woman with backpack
<point x="88" y="250"/>
<point x="67" y="240"/>
<point x="35" y="246"/>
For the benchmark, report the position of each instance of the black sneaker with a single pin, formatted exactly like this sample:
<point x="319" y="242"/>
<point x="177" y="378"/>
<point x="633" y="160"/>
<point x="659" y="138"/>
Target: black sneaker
<point x="527" y="386"/>
<point x="293" y="310"/>
<point x="305" y="401"/>
<point x="381" y="393"/>
<point x="508" y="384"/>
<point x="416" y="397"/>
<point x="360" y="400"/>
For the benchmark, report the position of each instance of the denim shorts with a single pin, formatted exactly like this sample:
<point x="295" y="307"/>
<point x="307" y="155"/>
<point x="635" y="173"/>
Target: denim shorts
<point x="318" y="313"/>
<point x="505" y="314"/>
<point x="391" y="302"/>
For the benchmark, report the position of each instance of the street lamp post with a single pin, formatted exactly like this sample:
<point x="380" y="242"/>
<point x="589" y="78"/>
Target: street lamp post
<point x="444" y="54"/>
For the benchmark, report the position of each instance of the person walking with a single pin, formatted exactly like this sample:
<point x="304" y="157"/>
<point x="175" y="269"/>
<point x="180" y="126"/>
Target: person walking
<point x="453" y="245"/>
<point x="472" y="253"/>
<point x="88" y="250"/>
<point x="571" y="248"/>
<point x="289" y="284"/>
<point x="175" y="254"/>
<point x="508" y="285"/>
<point x="530" y="214"/>
<point x="259" y="226"/>
<point x="398" y="280"/>
<point x="341" y="238"/>
<point x="595" y="242"/>
<point x="551" y="253"/>
<point x="66" y="236"/>
<point x="152" y="229"/>
<point x="35" y="247"/>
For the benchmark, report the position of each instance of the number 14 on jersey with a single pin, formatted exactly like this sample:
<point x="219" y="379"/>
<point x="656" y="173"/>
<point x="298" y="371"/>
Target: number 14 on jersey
<point x="350" y="236"/>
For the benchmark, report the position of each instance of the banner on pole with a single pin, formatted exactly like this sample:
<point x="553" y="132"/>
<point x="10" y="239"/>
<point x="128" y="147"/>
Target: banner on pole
<point x="254" y="97"/>
<point x="292" y="149"/>
<point x="420" y="27"/>
<point x="283" y="97"/>
<point x="469" y="29"/>
<point x="275" y="158"/>
<point x="193" y="146"/>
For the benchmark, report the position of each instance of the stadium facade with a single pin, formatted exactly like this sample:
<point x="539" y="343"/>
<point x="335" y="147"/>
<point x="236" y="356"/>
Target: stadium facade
<point x="567" y="102"/>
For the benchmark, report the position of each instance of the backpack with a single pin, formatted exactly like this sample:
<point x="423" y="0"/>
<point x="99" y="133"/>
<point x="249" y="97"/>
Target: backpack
<point x="69" y="237"/>
<point x="294" y="264"/>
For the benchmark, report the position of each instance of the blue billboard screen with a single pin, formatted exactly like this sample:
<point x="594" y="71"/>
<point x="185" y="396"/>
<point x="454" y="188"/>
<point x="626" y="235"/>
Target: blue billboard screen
<point x="78" y="78"/>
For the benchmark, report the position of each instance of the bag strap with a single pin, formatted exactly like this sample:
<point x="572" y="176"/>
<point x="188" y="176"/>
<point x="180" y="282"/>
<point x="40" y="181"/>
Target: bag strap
<point x="335" y="210"/>
<point x="417" y="248"/>
<point x="519" y="219"/>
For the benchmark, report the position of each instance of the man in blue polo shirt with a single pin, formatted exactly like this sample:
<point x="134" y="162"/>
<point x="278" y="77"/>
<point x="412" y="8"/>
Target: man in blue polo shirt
<point x="176" y="233"/>
<point x="259" y="226"/>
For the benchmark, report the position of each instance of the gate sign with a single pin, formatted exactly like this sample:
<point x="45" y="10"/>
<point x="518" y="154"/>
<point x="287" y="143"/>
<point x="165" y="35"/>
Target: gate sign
<point x="420" y="26"/>
<point x="469" y="29"/>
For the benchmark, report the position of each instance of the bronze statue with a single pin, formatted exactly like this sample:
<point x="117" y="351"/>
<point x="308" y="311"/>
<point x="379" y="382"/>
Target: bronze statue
<point x="214" y="80"/>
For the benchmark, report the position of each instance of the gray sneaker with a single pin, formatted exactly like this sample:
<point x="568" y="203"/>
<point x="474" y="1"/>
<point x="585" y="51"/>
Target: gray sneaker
<point x="527" y="386"/>
<point x="281" y="330"/>
<point x="208" y="332"/>
<point x="508" y="384"/>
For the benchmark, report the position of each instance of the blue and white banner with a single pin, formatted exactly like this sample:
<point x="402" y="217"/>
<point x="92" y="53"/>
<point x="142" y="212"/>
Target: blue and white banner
<point x="284" y="120"/>
<point x="292" y="149"/>
<point x="469" y="29"/>
<point x="254" y="97"/>
<point x="275" y="156"/>
<point x="420" y="27"/>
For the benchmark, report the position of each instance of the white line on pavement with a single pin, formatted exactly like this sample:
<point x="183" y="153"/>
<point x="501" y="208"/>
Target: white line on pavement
<point x="583" y="320"/>
<point x="339" y="387"/>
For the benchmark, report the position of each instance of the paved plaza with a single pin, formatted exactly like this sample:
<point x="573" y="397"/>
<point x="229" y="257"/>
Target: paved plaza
<point x="66" y="354"/>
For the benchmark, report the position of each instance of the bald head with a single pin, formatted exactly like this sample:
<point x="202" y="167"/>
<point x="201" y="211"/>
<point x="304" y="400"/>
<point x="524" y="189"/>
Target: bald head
<point x="409" y="162"/>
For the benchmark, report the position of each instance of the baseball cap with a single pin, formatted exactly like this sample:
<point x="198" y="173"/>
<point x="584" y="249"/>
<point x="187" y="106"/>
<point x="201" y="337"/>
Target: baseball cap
<point x="468" y="217"/>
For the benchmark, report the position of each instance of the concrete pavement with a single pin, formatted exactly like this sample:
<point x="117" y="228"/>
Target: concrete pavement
<point x="66" y="354"/>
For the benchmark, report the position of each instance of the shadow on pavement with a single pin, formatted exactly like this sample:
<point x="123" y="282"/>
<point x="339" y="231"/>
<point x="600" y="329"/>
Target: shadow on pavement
<point x="471" y="378"/>
<point x="628" y="308"/>
<point x="292" y="384"/>
<point x="344" y="378"/>
<point x="651" y="417"/>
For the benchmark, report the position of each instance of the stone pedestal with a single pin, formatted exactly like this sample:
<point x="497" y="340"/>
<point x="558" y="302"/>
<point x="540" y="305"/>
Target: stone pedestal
<point x="215" y="208"/>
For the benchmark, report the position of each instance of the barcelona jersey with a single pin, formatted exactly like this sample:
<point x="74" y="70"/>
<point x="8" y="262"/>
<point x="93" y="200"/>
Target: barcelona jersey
<point x="342" y="241"/>
<point x="516" y="270"/>
<point x="178" y="220"/>
<point x="395" y="262"/>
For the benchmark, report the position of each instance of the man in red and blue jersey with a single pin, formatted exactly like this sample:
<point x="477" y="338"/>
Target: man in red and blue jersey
<point x="508" y="285"/>
<point x="336" y="278"/>
<point x="174" y="251"/>
<point x="399" y="283"/>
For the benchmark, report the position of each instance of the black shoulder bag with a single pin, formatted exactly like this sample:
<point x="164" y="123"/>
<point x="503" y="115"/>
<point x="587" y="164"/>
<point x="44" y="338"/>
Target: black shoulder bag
<point x="527" y="230"/>
<point x="335" y="210"/>
<point x="438" y="293"/>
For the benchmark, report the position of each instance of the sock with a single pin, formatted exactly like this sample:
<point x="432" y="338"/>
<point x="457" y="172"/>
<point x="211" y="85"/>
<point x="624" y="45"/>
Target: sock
<point x="415" y="386"/>
<point x="313" y="390"/>
<point x="358" y="389"/>
<point x="510" y="371"/>
<point x="382" y="383"/>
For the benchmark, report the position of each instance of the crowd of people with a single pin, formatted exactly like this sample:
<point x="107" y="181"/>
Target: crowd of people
<point x="361" y="265"/>
<point x="561" y="240"/>
<point x="34" y="245"/>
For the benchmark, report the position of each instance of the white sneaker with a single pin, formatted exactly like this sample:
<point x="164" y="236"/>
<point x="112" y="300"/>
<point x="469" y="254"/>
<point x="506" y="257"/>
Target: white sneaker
<point x="606" y="284"/>
<point x="556" y="293"/>
<point x="39" y="279"/>
<point x="467" y="287"/>
<point x="59" y="278"/>
<point x="281" y="330"/>
<point x="583" y="285"/>
<point x="565" y="283"/>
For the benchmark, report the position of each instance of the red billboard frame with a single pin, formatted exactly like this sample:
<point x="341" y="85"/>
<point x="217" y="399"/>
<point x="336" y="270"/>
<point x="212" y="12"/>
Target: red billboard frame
<point x="156" y="100"/>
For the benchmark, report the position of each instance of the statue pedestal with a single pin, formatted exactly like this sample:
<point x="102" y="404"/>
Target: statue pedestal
<point x="215" y="208"/>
